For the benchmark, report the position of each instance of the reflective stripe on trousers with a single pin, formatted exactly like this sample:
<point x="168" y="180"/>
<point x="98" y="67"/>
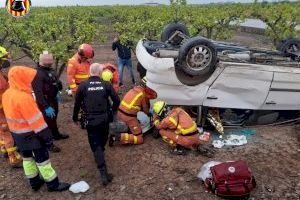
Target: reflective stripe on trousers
<point x="46" y="170"/>
<point x="127" y="138"/>
<point x="30" y="168"/>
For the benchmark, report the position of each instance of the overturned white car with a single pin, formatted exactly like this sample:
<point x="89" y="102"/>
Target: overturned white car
<point x="187" y="71"/>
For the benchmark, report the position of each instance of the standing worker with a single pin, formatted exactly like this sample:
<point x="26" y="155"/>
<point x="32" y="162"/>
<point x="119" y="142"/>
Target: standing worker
<point x="79" y="66"/>
<point x="177" y="128"/>
<point x="46" y="88"/>
<point x="135" y="100"/>
<point x="6" y="140"/>
<point x="29" y="130"/>
<point x="93" y="95"/>
<point x="124" y="59"/>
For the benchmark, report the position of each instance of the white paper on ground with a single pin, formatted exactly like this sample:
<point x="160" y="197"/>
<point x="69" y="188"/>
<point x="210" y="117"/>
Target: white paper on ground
<point x="78" y="187"/>
<point x="231" y="140"/>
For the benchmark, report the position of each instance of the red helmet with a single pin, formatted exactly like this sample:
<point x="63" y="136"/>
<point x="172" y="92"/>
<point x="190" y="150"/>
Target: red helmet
<point x="86" y="51"/>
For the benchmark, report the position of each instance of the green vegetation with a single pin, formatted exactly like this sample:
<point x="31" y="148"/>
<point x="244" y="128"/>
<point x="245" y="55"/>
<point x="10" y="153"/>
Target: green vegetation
<point x="60" y="30"/>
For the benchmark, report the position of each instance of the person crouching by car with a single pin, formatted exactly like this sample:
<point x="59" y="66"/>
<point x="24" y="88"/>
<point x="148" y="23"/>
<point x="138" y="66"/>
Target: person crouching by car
<point x="135" y="100"/>
<point x="178" y="129"/>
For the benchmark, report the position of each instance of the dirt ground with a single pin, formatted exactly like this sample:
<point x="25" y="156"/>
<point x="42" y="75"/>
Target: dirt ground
<point x="150" y="171"/>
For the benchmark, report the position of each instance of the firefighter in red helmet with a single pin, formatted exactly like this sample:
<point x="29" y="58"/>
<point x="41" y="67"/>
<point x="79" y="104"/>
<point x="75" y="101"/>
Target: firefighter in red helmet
<point x="79" y="66"/>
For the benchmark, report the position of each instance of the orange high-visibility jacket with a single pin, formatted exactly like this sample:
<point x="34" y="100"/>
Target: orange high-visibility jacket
<point x="77" y="71"/>
<point x="115" y="81"/>
<point x="21" y="111"/>
<point x="179" y="121"/>
<point x="136" y="100"/>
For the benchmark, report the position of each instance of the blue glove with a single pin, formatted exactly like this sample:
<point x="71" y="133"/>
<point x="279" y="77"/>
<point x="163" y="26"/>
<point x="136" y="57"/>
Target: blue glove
<point x="50" y="112"/>
<point x="58" y="97"/>
<point x="151" y="112"/>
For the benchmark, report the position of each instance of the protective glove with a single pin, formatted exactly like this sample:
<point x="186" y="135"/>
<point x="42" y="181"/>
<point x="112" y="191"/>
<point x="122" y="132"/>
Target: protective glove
<point x="50" y="112"/>
<point x="58" y="97"/>
<point x="151" y="112"/>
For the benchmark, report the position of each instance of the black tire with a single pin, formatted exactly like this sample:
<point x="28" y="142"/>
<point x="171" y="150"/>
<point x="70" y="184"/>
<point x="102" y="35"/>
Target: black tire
<point x="289" y="45"/>
<point x="170" y="29"/>
<point x="189" y="80"/>
<point x="155" y="133"/>
<point x="153" y="46"/>
<point x="200" y="63"/>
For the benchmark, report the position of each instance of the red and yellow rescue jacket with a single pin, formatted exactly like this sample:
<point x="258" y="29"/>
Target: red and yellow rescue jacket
<point x="23" y="116"/>
<point x="179" y="121"/>
<point x="114" y="70"/>
<point x="3" y="88"/>
<point x="77" y="71"/>
<point x="137" y="99"/>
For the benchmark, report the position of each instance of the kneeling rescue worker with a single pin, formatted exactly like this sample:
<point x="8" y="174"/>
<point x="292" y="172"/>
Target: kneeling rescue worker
<point x="6" y="140"/>
<point x="176" y="127"/>
<point x="93" y="95"/>
<point x="29" y="130"/>
<point x="135" y="100"/>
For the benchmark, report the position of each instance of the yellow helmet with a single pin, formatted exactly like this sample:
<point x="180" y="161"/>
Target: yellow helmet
<point x="3" y="52"/>
<point x="144" y="81"/>
<point x="159" y="107"/>
<point x="107" y="75"/>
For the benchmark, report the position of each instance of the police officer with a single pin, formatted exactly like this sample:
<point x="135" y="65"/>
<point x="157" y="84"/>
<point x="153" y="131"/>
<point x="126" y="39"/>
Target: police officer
<point x="46" y="87"/>
<point x="93" y="96"/>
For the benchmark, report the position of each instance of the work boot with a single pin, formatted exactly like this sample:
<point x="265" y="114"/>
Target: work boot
<point x="179" y="150"/>
<point x="113" y="139"/>
<point x="54" y="149"/>
<point x="15" y="160"/>
<point x="61" y="136"/>
<point x="61" y="187"/>
<point x="38" y="185"/>
<point x="105" y="176"/>
<point x="4" y="155"/>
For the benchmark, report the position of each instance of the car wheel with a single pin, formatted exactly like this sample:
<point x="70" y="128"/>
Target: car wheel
<point x="170" y="29"/>
<point x="197" y="57"/>
<point x="289" y="46"/>
<point x="153" y="46"/>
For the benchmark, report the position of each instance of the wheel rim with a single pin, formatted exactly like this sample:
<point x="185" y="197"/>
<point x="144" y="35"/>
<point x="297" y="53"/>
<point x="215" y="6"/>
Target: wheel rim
<point x="199" y="57"/>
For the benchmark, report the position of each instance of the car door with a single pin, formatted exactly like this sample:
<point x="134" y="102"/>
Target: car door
<point x="239" y="87"/>
<point x="284" y="92"/>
